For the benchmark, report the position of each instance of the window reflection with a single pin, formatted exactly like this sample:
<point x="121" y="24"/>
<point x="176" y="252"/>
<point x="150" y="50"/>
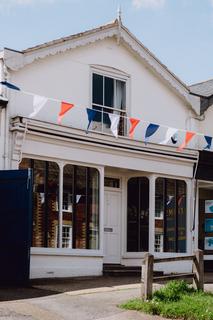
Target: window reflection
<point x="80" y="206"/>
<point x="138" y="215"/>
<point x="170" y="215"/>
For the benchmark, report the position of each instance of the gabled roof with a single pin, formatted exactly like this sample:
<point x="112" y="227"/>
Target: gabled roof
<point x="17" y="60"/>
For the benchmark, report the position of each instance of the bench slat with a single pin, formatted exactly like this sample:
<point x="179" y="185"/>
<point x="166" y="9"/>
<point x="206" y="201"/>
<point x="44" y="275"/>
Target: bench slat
<point x="174" y="276"/>
<point x="170" y="259"/>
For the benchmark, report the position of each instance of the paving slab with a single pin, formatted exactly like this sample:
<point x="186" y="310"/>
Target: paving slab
<point x="75" y="299"/>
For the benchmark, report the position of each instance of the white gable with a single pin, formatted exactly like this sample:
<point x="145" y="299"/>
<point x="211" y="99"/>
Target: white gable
<point x="17" y="60"/>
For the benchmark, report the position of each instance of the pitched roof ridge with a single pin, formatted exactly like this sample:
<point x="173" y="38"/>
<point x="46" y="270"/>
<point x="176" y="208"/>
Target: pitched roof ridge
<point x="72" y="36"/>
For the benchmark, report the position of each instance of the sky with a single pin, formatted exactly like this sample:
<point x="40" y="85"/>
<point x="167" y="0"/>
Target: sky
<point x="178" y="32"/>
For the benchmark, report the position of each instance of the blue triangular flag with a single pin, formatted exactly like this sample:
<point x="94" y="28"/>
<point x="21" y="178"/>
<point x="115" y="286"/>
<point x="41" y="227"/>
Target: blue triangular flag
<point x="10" y="85"/>
<point x="209" y="142"/>
<point x="91" y="113"/>
<point x="174" y="138"/>
<point x="151" y="129"/>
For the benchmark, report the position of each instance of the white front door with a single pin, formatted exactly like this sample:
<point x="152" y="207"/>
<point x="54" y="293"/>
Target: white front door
<point x="112" y="235"/>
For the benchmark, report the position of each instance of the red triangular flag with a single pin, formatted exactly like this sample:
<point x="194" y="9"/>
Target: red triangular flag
<point x="134" y="123"/>
<point x="65" y="106"/>
<point x="188" y="137"/>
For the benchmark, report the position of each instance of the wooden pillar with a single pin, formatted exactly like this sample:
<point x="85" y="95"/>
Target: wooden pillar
<point x="147" y="276"/>
<point x="198" y="270"/>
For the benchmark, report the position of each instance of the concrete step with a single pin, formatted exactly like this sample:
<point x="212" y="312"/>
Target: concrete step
<point x="119" y="270"/>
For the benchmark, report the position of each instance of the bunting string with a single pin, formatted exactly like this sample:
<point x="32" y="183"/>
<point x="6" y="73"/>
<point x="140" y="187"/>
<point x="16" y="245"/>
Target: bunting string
<point x="151" y="128"/>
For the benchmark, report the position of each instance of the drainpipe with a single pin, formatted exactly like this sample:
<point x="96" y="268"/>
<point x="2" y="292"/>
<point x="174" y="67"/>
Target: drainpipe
<point x="5" y="77"/>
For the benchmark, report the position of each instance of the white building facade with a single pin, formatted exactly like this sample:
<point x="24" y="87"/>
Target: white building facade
<point x="98" y="199"/>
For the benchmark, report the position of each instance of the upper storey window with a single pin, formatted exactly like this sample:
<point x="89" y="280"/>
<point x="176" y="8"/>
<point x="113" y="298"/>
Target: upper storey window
<point x="108" y="96"/>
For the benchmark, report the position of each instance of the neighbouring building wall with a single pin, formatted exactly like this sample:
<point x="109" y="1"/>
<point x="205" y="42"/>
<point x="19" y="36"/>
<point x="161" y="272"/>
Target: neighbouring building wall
<point x="206" y="125"/>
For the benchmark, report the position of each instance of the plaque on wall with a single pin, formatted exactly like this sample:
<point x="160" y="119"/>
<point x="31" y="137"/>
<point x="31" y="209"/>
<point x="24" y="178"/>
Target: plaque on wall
<point x="208" y="225"/>
<point x="208" y="243"/>
<point x="208" y="206"/>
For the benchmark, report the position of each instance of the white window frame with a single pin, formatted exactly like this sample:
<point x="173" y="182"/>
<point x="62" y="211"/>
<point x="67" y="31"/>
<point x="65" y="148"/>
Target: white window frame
<point x="116" y="75"/>
<point x="70" y="236"/>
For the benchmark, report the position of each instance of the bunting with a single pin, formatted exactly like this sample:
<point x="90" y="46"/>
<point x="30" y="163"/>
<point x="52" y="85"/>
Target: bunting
<point x="10" y="85"/>
<point x="151" y="129"/>
<point x="114" y="118"/>
<point x="91" y="113"/>
<point x="174" y="138"/>
<point x="169" y="135"/>
<point x="188" y="137"/>
<point x="38" y="103"/>
<point x="209" y="142"/>
<point x="134" y="123"/>
<point x="65" y="106"/>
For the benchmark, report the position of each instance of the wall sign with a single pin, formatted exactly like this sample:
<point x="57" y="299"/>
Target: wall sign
<point x="208" y="206"/>
<point x="208" y="243"/>
<point x="208" y="225"/>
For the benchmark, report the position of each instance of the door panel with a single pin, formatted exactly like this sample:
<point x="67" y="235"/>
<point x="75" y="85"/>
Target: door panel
<point x="15" y="226"/>
<point x="112" y="215"/>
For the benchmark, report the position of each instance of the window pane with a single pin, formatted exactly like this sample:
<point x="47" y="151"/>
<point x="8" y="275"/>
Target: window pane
<point x="93" y="208"/>
<point x="138" y="215"/>
<point x="39" y="204"/>
<point x="170" y="215"/>
<point x="81" y="207"/>
<point x="144" y="214"/>
<point x="111" y="182"/>
<point x="68" y="194"/>
<point x="181" y="204"/>
<point x="120" y="95"/>
<point x="97" y="89"/>
<point x="170" y="235"/>
<point x="52" y="192"/>
<point x="159" y="214"/>
<point x="132" y="215"/>
<point x="108" y="92"/>
<point x="45" y="202"/>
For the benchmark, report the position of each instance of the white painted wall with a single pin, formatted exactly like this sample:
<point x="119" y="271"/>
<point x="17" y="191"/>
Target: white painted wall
<point x="66" y="76"/>
<point x="206" y="125"/>
<point x="60" y="266"/>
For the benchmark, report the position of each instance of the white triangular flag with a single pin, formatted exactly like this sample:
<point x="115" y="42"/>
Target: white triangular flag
<point x="114" y="118"/>
<point x="38" y="103"/>
<point x="169" y="133"/>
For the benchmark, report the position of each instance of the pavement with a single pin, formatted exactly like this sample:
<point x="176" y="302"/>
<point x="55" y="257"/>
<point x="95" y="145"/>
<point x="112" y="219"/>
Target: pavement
<point x="96" y="298"/>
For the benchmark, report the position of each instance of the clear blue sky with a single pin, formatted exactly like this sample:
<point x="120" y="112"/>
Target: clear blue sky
<point x="178" y="32"/>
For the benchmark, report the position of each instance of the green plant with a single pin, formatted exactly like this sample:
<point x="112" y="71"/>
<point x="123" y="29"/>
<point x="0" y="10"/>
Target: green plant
<point x="177" y="300"/>
<point x="172" y="291"/>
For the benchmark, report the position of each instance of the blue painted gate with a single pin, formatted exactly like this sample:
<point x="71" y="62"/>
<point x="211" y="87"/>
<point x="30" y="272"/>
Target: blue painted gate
<point x="15" y="226"/>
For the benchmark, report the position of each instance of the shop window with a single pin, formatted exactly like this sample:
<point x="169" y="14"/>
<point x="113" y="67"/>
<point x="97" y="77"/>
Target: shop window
<point x="80" y="206"/>
<point x="205" y="236"/>
<point x="45" y="201"/>
<point x="170" y="215"/>
<point x="81" y="187"/>
<point x="138" y="215"/>
<point x="108" y="96"/>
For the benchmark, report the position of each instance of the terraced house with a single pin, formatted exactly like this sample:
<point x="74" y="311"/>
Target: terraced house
<point x="100" y="194"/>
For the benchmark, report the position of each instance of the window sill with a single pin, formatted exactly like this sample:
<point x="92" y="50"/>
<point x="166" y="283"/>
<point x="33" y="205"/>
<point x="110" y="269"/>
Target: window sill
<point x="66" y="252"/>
